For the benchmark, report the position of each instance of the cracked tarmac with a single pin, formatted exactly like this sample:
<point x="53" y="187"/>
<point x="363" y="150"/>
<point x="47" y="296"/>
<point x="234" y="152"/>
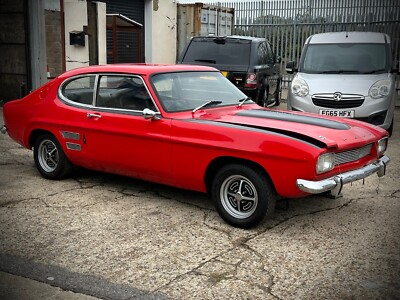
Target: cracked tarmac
<point x="112" y="237"/>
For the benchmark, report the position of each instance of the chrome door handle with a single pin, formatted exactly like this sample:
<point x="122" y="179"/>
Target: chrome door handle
<point x="90" y="115"/>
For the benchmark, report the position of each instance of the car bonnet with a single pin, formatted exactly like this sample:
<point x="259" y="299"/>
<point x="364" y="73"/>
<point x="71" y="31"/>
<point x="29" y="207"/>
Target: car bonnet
<point x="332" y="132"/>
<point x="357" y="84"/>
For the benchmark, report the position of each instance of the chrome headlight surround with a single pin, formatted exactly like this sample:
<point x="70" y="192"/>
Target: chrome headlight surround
<point x="299" y="87"/>
<point x="382" y="146"/>
<point x="325" y="162"/>
<point x="380" y="89"/>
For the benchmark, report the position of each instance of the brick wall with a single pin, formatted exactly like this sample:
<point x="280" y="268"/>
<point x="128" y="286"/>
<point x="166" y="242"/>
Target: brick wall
<point x="53" y="42"/>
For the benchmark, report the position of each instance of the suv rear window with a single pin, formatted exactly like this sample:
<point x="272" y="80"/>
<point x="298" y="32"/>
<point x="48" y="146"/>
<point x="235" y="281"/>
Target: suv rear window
<point x="218" y="51"/>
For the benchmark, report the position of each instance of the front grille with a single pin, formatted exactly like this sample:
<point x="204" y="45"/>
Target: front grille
<point x="352" y="155"/>
<point x="347" y="100"/>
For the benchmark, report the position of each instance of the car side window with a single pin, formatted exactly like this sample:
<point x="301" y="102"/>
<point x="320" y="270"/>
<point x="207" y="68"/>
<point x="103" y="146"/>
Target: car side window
<point x="123" y="92"/>
<point x="262" y="54"/>
<point x="79" y="90"/>
<point x="270" y="54"/>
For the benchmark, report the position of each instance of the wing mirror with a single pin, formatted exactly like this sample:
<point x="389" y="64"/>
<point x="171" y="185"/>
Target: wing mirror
<point x="150" y="114"/>
<point x="291" y="67"/>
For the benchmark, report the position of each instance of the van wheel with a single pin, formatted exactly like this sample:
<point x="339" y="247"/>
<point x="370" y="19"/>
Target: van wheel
<point x="50" y="159"/>
<point x="243" y="196"/>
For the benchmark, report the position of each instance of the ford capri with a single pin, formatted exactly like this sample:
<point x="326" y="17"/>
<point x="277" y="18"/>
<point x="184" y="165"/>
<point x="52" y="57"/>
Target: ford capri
<point x="189" y="127"/>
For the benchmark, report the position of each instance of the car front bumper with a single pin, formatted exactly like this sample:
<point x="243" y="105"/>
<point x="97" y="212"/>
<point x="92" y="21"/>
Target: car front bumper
<point x="335" y="183"/>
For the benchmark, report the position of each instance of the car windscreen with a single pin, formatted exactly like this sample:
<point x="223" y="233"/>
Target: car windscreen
<point x="184" y="91"/>
<point x="345" y="59"/>
<point x="219" y="52"/>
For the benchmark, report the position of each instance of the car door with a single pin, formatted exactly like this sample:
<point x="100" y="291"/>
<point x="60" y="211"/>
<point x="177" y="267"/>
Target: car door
<point x="272" y="71"/>
<point x="76" y="96"/>
<point x="119" y="137"/>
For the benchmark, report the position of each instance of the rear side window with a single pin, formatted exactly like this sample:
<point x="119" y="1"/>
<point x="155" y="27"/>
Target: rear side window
<point x="221" y="52"/>
<point x="262" y="54"/>
<point x="79" y="90"/>
<point x="270" y="54"/>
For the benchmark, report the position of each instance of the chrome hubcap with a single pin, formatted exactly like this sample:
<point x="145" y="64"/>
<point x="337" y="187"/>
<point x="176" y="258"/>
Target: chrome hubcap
<point x="48" y="156"/>
<point x="239" y="196"/>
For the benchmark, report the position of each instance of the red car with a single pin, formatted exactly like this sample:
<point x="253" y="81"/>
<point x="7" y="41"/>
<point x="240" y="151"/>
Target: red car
<point x="189" y="127"/>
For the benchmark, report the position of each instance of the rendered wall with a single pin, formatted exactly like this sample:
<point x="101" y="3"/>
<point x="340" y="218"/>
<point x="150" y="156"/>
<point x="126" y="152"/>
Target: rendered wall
<point x="75" y="18"/>
<point x="163" y="28"/>
<point x="101" y="33"/>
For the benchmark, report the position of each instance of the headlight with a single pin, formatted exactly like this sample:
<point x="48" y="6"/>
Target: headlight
<point x="382" y="146"/>
<point x="299" y="87"/>
<point x="325" y="162"/>
<point x="380" y="89"/>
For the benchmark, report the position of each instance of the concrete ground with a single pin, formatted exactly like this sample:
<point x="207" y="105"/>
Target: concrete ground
<point x="103" y="236"/>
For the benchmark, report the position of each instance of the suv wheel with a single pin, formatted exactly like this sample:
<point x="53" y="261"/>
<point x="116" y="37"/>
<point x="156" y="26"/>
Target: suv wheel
<point x="263" y="96"/>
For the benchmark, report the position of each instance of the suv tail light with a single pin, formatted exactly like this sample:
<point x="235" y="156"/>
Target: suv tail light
<point x="251" y="81"/>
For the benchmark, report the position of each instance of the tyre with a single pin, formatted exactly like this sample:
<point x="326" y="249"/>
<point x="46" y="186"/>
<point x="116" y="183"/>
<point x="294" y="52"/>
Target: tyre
<point x="242" y="196"/>
<point x="50" y="159"/>
<point x="278" y="93"/>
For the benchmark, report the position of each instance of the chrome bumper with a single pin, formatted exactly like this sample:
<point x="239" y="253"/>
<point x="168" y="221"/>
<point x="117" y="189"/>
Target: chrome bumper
<point x="335" y="183"/>
<point x="3" y="129"/>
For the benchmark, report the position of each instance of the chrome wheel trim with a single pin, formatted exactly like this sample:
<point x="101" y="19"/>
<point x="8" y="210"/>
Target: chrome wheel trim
<point x="238" y="196"/>
<point x="48" y="156"/>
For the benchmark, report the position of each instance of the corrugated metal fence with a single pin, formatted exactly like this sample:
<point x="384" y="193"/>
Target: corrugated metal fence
<point x="287" y="23"/>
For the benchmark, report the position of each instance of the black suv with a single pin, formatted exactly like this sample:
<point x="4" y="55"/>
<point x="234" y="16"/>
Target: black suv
<point x="248" y="62"/>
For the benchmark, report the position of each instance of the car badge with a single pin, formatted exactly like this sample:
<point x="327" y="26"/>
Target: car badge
<point x="337" y="96"/>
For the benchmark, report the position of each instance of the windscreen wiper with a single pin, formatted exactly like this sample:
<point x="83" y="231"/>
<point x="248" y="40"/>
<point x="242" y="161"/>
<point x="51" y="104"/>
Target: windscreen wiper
<point x="373" y="71"/>
<point x="209" y="103"/>
<point x="242" y="101"/>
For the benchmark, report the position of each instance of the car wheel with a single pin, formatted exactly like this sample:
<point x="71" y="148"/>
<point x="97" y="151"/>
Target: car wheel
<point x="50" y="159"/>
<point x="243" y="196"/>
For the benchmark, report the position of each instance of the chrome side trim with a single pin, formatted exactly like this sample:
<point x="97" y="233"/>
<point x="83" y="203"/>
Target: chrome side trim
<point x="70" y="135"/>
<point x="3" y="129"/>
<point x="93" y="105"/>
<point x="73" y="146"/>
<point x="335" y="183"/>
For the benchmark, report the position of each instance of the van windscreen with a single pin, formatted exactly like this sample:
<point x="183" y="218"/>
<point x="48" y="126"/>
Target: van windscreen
<point x="345" y="58"/>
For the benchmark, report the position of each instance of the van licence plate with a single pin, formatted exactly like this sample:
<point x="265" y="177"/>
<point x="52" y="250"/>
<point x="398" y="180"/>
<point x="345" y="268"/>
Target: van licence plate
<point x="337" y="113"/>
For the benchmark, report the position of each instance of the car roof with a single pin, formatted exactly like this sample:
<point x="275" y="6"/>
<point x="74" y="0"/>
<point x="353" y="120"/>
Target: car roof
<point x="141" y="69"/>
<point x="239" y="37"/>
<point x="346" y="37"/>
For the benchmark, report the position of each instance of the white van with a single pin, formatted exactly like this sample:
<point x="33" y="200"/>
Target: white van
<point x="346" y="74"/>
